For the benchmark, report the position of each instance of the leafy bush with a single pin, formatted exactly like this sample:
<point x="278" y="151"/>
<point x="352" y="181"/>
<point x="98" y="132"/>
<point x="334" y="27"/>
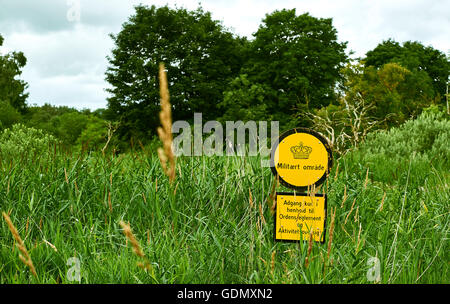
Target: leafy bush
<point x="70" y="126"/>
<point x="418" y="144"/>
<point x="22" y="142"/>
<point x="94" y="136"/>
<point x="8" y="115"/>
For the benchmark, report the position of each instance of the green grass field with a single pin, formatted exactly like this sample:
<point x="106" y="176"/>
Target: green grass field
<point x="202" y="229"/>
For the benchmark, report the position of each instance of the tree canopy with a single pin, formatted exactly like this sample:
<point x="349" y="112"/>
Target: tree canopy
<point x="200" y="55"/>
<point x="425" y="63"/>
<point x="293" y="64"/>
<point x="12" y="90"/>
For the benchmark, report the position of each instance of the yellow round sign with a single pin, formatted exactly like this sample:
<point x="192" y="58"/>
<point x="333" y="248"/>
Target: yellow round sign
<point x="301" y="158"/>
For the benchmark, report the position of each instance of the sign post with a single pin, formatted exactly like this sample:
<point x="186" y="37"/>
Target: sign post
<point x="301" y="160"/>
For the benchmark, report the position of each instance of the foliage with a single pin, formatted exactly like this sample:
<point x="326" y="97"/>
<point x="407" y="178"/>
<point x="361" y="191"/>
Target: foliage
<point x="200" y="55"/>
<point x="426" y="64"/>
<point x="46" y="117"/>
<point x="12" y="90"/>
<point x="28" y="143"/>
<point x="293" y="65"/>
<point x="394" y="92"/>
<point x="424" y="140"/>
<point x="370" y="99"/>
<point x="95" y="136"/>
<point x="8" y="115"/>
<point x="70" y="126"/>
<point x="245" y="100"/>
<point x="344" y="125"/>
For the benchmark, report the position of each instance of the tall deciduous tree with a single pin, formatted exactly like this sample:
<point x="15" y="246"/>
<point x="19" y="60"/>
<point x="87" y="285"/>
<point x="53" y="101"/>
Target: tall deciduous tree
<point x="393" y="92"/>
<point x="200" y="55"/>
<point x="12" y="90"/>
<point x="296" y="59"/>
<point x="425" y="63"/>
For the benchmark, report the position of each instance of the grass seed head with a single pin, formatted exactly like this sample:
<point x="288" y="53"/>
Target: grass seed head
<point x="130" y="236"/>
<point x="24" y="256"/>
<point x="166" y="154"/>
<point x="330" y="239"/>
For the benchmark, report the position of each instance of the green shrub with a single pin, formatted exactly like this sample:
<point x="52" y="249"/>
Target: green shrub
<point x="8" y="115"/>
<point x="20" y="141"/>
<point x="94" y="136"/>
<point x="422" y="143"/>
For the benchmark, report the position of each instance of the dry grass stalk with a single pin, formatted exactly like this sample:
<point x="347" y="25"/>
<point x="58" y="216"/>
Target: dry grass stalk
<point x="351" y="209"/>
<point x="310" y="244"/>
<point x="382" y="201"/>
<point x="356" y="214"/>
<point x="272" y="263"/>
<point x="272" y="195"/>
<point x="136" y="247"/>
<point x="367" y="178"/>
<point x="166" y="155"/>
<point x="51" y="245"/>
<point x="109" y="201"/>
<point x="130" y="236"/>
<point x="250" y="199"/>
<point x="258" y="225"/>
<point x="345" y="196"/>
<point x="263" y="220"/>
<point x="330" y="240"/>
<point x="337" y="171"/>
<point x="264" y="261"/>
<point x="66" y="177"/>
<point x="175" y="190"/>
<point x="359" y="239"/>
<point x="312" y="192"/>
<point x="111" y="130"/>
<point x="24" y="257"/>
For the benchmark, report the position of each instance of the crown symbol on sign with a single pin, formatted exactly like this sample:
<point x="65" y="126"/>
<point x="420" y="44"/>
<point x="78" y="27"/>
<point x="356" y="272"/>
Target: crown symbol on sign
<point x="301" y="151"/>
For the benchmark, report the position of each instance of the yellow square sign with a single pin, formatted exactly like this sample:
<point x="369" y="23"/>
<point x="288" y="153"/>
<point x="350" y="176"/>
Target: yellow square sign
<point x="297" y="214"/>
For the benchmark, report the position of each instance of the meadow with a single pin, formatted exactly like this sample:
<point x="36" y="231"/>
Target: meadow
<point x="213" y="224"/>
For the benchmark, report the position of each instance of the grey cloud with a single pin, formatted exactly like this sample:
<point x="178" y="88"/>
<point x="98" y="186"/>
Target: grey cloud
<point x="38" y="16"/>
<point x="43" y="16"/>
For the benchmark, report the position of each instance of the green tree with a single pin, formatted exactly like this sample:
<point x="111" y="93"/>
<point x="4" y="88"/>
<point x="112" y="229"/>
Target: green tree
<point x="425" y="63"/>
<point x="296" y="60"/>
<point x="394" y="91"/>
<point x="369" y="99"/>
<point x="245" y="100"/>
<point x="12" y="89"/>
<point x="8" y="115"/>
<point x="94" y="136"/>
<point x="46" y="117"/>
<point x="200" y="55"/>
<point x="70" y="126"/>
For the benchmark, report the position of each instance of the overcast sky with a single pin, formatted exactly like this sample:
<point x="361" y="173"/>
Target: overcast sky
<point x="66" y="54"/>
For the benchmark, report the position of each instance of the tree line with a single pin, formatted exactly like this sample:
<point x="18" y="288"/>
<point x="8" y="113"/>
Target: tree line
<point x="293" y="70"/>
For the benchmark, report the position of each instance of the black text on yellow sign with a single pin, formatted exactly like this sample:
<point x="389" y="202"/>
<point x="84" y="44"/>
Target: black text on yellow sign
<point x="298" y="215"/>
<point x="301" y="158"/>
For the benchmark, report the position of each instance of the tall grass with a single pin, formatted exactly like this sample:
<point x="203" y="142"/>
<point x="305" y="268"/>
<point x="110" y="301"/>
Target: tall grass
<point x="213" y="229"/>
